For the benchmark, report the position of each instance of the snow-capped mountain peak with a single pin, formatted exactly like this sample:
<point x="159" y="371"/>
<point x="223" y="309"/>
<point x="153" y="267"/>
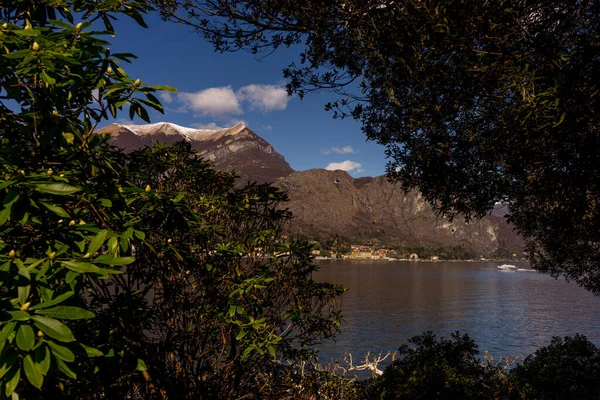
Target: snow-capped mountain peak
<point x="234" y="148"/>
<point x="189" y="134"/>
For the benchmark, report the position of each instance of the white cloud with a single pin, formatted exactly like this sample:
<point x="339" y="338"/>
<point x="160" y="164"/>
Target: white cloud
<point x="264" y="97"/>
<point x="217" y="102"/>
<point x="348" y="166"/>
<point x="166" y="97"/>
<point x="340" y="150"/>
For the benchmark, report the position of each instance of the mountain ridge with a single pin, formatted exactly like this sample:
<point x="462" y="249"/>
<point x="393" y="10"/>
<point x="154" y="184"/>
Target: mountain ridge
<point x="235" y="148"/>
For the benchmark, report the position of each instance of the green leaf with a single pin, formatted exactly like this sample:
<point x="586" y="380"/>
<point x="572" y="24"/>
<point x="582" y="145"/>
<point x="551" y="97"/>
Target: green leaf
<point x="42" y="358"/>
<point x="65" y="370"/>
<point x="133" y="13"/>
<point x="67" y="312"/>
<point x="32" y="372"/>
<point x="110" y="260"/>
<point x="142" y="113"/>
<point x="33" y="263"/>
<point x="5" y="184"/>
<point x="560" y="121"/>
<point x="61" y="189"/>
<point x="91" y="351"/>
<point x="97" y="242"/>
<point x="8" y="329"/>
<point x="71" y="278"/>
<point x="6" y="363"/>
<point x="19" y="315"/>
<point x="12" y="380"/>
<point x="61" y="24"/>
<point x="18" y="54"/>
<point x="4" y="215"/>
<point x="53" y="328"/>
<point x="113" y="246"/>
<point x="25" y="337"/>
<point x="26" y="32"/>
<point x="271" y="350"/>
<point x="24" y="290"/>
<point x="56" y="209"/>
<point x="69" y="137"/>
<point x="247" y="352"/>
<point x="47" y="78"/>
<point x="141" y="365"/>
<point x="11" y="198"/>
<point x="80" y="267"/>
<point x="163" y="87"/>
<point x="62" y="352"/>
<point x="57" y="300"/>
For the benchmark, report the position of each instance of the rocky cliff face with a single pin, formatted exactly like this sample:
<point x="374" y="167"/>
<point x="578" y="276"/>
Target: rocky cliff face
<point x="325" y="203"/>
<point x="236" y="148"/>
<point x="328" y="203"/>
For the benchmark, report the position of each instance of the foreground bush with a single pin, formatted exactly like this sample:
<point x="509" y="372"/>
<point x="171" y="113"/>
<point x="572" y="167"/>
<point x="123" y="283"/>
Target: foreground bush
<point x="432" y="368"/>
<point x="435" y="368"/>
<point x="147" y="275"/>
<point x="568" y="368"/>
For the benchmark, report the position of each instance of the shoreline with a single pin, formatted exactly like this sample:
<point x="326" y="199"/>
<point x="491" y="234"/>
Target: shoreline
<point x="417" y="261"/>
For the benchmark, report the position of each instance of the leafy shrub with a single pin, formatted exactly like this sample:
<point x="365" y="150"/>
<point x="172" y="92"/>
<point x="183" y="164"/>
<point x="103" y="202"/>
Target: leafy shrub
<point x="435" y="369"/>
<point x="147" y="275"/>
<point x="568" y="368"/>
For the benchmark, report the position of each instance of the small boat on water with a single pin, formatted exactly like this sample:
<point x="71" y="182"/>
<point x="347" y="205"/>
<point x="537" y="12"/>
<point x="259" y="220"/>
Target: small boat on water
<point x="507" y="267"/>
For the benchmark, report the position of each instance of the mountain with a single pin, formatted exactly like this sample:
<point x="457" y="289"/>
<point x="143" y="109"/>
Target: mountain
<point x="328" y="203"/>
<point x="237" y="147"/>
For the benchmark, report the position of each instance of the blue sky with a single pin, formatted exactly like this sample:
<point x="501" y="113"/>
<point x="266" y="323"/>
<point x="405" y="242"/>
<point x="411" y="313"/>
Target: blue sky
<point x="224" y="89"/>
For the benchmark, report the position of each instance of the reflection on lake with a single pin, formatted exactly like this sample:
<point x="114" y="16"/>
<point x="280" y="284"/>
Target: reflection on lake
<point x="505" y="312"/>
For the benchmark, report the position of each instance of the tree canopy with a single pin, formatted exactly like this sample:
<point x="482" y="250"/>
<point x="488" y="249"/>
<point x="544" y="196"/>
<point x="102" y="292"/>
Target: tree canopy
<point x="476" y="102"/>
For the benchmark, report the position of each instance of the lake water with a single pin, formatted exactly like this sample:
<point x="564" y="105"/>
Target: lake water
<point x="505" y="312"/>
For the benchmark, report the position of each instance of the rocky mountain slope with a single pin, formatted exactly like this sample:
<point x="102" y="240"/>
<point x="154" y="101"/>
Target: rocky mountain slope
<point x="328" y="203"/>
<point x="232" y="148"/>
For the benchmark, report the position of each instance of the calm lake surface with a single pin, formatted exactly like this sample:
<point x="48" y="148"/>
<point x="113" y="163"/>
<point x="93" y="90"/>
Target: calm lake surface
<point x="505" y="312"/>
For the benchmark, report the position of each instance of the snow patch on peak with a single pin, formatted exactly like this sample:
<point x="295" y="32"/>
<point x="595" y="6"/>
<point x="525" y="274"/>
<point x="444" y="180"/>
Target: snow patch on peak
<point x="237" y="128"/>
<point x="189" y="134"/>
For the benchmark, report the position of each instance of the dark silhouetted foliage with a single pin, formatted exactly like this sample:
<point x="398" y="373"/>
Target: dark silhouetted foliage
<point x="568" y="368"/>
<point x="433" y="368"/>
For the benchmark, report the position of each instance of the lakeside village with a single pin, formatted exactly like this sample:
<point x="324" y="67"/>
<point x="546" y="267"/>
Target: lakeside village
<point x="332" y="249"/>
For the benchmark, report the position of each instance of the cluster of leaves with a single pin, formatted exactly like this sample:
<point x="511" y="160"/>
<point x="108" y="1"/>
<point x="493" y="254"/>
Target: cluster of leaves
<point x="62" y="228"/>
<point x="476" y="102"/>
<point x="147" y="274"/>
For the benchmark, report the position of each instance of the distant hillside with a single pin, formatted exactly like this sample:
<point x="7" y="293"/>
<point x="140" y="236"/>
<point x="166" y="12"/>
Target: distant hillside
<point x="326" y="203"/>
